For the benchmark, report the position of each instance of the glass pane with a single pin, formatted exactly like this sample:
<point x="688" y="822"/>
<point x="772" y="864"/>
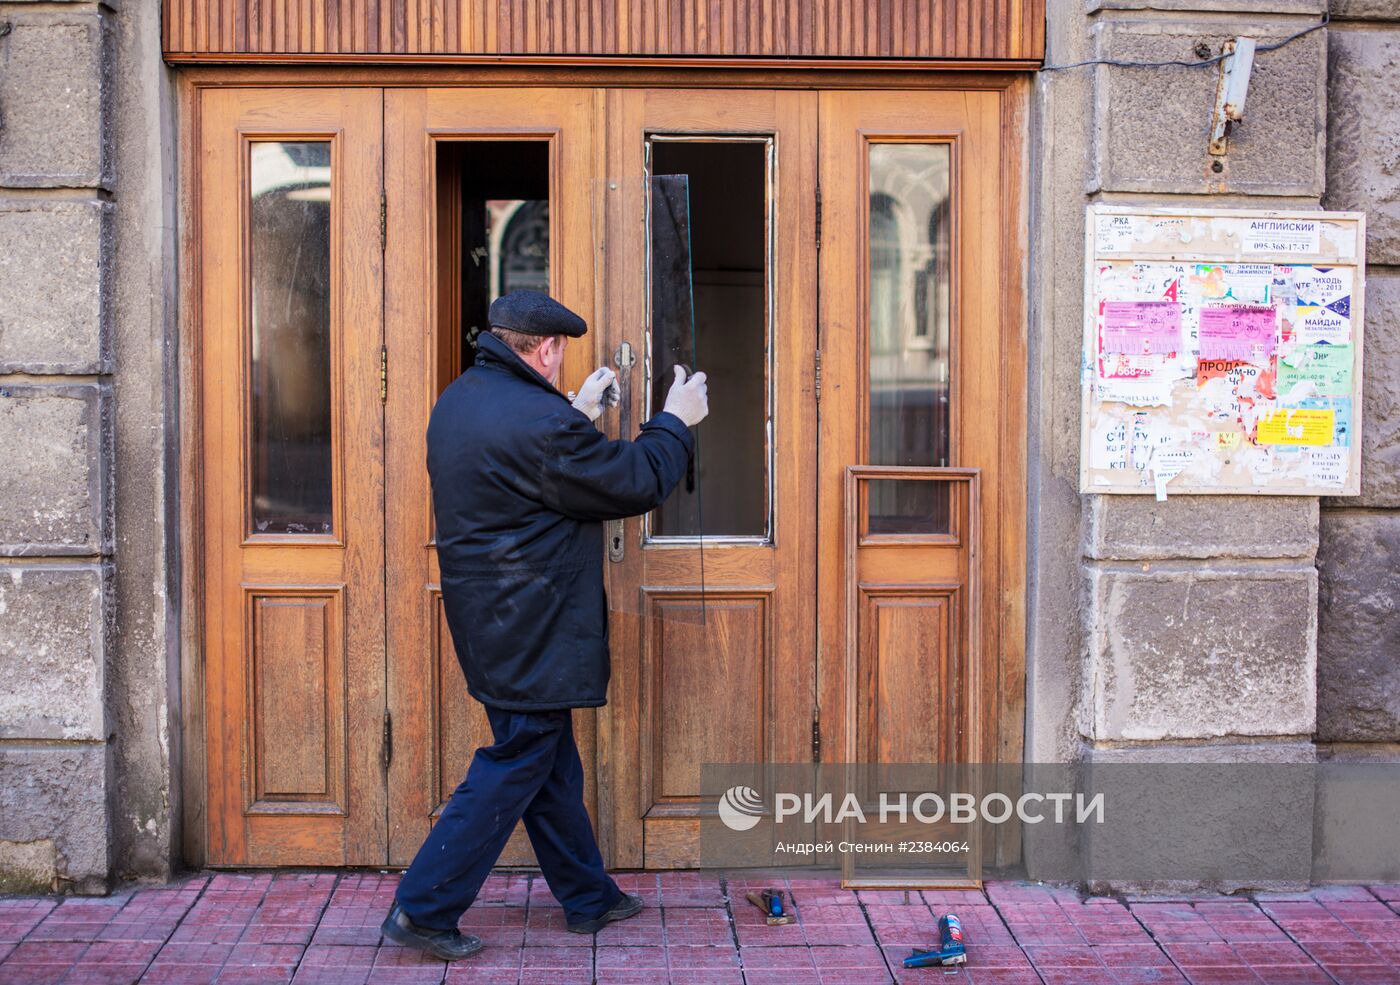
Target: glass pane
<point x="907" y="506"/>
<point x="910" y="244"/>
<point x="719" y="215"/>
<point x="290" y="243"/>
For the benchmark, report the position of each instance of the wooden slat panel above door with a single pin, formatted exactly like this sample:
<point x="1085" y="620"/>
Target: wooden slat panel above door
<point x="1007" y="33"/>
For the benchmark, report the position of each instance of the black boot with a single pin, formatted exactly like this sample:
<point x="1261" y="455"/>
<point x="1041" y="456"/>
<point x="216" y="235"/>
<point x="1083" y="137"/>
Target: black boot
<point x="629" y="906"/>
<point x="449" y="945"/>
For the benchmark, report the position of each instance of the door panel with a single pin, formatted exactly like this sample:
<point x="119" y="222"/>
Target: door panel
<point x="728" y="679"/>
<point x="914" y="264"/>
<point x="292" y="480"/>
<point x="485" y="190"/>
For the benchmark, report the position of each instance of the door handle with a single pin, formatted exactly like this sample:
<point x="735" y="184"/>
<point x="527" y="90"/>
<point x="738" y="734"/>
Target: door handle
<point x="624" y="358"/>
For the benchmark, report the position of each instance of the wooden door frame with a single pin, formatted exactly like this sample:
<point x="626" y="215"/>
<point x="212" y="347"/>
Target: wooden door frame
<point x="189" y="774"/>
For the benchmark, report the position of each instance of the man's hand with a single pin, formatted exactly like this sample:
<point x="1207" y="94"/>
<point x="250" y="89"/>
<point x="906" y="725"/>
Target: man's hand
<point x="688" y="399"/>
<point x="601" y="386"/>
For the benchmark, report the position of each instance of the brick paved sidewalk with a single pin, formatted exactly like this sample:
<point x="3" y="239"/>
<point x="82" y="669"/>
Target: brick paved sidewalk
<point x="323" y="927"/>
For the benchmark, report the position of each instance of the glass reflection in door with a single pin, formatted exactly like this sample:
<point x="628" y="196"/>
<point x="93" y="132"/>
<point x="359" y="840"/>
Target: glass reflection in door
<point x="909" y="331"/>
<point x="290" y="346"/>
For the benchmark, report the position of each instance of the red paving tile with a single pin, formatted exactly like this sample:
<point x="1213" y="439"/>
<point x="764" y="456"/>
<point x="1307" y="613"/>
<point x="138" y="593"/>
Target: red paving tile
<point x="695" y="925"/>
<point x="1076" y="976"/>
<point x="311" y="928"/>
<point x="685" y="889"/>
<point x="644" y="928"/>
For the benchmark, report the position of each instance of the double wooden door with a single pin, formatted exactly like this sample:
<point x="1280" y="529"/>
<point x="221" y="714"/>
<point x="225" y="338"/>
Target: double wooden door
<point x="819" y="588"/>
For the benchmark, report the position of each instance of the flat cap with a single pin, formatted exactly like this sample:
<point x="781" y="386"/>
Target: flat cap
<point x="534" y="313"/>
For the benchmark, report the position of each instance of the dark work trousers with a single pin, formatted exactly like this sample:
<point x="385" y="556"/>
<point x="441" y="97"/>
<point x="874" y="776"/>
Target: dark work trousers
<point x="533" y="771"/>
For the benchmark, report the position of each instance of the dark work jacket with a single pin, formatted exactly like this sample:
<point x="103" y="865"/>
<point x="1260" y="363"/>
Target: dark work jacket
<point x="522" y="482"/>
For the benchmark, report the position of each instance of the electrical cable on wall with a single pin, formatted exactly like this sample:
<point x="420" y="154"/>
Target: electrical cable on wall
<point x="1214" y="59"/>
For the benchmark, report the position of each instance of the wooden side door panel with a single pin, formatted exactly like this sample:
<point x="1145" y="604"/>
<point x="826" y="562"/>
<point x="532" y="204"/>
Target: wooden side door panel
<point x="294" y="621"/>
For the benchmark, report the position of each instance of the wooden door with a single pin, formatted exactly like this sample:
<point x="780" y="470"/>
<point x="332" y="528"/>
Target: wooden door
<point x="921" y="373"/>
<point x="292" y="477"/>
<point x="726" y="679"/>
<point x="485" y="190"/>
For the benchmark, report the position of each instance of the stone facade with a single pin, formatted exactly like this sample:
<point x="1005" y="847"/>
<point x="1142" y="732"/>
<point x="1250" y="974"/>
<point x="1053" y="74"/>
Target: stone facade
<point x="1206" y="629"/>
<point x="86" y="289"/>
<point x="1359" y="555"/>
<point x="1200" y="629"/>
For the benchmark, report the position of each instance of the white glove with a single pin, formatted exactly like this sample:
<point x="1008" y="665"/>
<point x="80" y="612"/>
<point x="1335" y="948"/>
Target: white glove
<point x="600" y="387"/>
<point x="688" y="399"/>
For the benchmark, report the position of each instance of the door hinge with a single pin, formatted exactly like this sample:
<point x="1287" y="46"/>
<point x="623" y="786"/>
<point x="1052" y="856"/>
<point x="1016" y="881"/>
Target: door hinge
<point x="383" y="221"/>
<point x="383" y="374"/>
<point x="817" y="376"/>
<point x="387" y="750"/>
<point x="816" y="737"/>
<point x="819" y="218"/>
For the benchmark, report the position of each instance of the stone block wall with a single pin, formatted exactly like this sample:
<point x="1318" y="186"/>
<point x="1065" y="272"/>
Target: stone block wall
<point x="1191" y="633"/>
<point x="86" y="278"/>
<point x="56" y="429"/>
<point x="1358" y="687"/>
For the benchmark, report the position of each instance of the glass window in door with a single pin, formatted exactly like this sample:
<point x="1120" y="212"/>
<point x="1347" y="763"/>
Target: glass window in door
<point x="718" y="212"/>
<point x="909" y="236"/>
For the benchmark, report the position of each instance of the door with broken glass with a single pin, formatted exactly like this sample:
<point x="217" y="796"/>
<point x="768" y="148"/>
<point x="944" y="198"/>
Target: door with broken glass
<point x="705" y="225"/>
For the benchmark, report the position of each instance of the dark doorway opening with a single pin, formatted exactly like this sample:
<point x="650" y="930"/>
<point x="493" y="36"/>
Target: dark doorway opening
<point x="493" y="237"/>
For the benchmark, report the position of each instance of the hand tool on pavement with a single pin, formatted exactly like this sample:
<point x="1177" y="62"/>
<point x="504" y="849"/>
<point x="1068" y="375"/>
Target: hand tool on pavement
<point x="950" y="951"/>
<point x="770" y="901"/>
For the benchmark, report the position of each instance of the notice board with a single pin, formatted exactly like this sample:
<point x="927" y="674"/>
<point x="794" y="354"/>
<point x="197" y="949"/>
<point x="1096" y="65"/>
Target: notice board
<point x="1222" y="352"/>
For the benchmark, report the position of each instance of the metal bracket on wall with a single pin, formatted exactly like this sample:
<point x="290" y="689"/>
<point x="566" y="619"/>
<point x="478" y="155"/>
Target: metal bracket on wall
<point x="1230" y="94"/>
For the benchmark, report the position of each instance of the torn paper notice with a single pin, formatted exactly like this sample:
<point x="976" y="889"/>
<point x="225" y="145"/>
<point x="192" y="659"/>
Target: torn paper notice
<point x="1328" y="466"/>
<point x="1144" y="392"/>
<point x="1143" y="433"/>
<point x="1327" y="368"/>
<point x="1282" y="236"/>
<point x="1323" y="304"/>
<point x="1226" y="440"/>
<point x="1114" y="233"/>
<point x="1167" y="463"/>
<point x="1229" y="390"/>
<point x="1121" y="366"/>
<point x="1108" y="445"/>
<point x="1297" y="426"/>
<point x="1238" y="332"/>
<point x="1141" y="327"/>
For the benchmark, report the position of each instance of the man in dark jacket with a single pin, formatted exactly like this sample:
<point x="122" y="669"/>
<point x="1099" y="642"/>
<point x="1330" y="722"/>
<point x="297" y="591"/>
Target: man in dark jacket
<point x="522" y="482"/>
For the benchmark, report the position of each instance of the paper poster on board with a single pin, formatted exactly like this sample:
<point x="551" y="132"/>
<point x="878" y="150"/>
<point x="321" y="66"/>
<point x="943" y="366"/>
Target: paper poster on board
<point x="1222" y="352"/>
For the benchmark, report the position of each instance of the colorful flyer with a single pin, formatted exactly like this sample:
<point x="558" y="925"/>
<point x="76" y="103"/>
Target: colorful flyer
<point x="1141" y="327"/>
<point x="1316" y="371"/>
<point x="1244" y="332"/>
<point x="1297" y="426"/>
<point x="1341" y="411"/>
<point x="1243" y="283"/>
<point x="1323" y="304"/>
